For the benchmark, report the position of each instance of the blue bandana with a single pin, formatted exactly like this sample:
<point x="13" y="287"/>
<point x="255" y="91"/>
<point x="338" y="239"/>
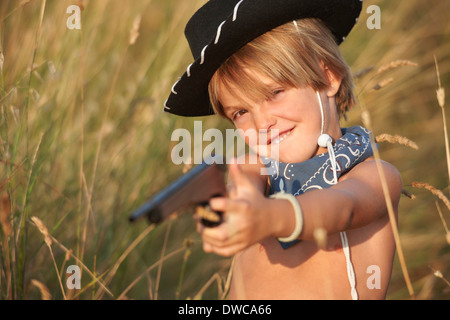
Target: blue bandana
<point x="317" y="173"/>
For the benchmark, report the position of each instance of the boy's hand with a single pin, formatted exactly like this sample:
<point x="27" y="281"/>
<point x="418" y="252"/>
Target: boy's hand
<point x="246" y="216"/>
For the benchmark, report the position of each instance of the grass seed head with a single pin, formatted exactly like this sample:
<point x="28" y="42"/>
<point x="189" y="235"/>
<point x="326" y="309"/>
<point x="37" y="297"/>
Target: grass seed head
<point x="396" y="64"/>
<point x="438" y="193"/>
<point x="440" y="93"/>
<point x="45" y="293"/>
<point x="42" y="229"/>
<point x="384" y="137"/>
<point x="134" y="33"/>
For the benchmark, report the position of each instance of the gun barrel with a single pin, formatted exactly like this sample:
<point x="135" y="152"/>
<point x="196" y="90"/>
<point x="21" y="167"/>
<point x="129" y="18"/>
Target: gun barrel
<point x="194" y="188"/>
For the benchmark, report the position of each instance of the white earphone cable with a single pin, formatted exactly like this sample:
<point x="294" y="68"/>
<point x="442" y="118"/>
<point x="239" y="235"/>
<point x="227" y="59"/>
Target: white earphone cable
<point x="326" y="141"/>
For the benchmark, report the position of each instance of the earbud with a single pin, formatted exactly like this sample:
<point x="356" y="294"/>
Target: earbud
<point x="323" y="140"/>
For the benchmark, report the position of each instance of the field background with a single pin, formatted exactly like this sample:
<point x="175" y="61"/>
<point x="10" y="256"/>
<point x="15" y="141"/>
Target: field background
<point x="84" y="141"/>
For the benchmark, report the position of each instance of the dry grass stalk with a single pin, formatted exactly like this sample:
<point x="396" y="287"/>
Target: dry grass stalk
<point x="447" y="233"/>
<point x="440" y="95"/>
<point x="48" y="241"/>
<point x="163" y="252"/>
<point x="395" y="64"/>
<point x="5" y="213"/>
<point x="223" y="284"/>
<point x="45" y="293"/>
<point x="40" y="225"/>
<point x="156" y="264"/>
<point x="365" y="116"/>
<point x="2" y="60"/>
<point x="384" y="137"/>
<point x="114" y="269"/>
<point x="438" y="193"/>
<point x="66" y="258"/>
<point x="227" y="286"/>
<point x="214" y="278"/>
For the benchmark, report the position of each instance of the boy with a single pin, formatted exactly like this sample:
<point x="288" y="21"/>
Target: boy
<point x="274" y="66"/>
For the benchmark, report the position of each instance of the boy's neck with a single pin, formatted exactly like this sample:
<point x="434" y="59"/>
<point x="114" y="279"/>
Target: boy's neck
<point x="334" y="132"/>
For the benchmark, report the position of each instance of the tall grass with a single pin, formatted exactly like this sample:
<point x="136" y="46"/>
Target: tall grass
<point x="397" y="88"/>
<point x="84" y="141"/>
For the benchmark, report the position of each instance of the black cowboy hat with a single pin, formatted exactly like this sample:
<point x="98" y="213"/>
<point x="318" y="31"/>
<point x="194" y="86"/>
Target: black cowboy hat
<point x="221" y="27"/>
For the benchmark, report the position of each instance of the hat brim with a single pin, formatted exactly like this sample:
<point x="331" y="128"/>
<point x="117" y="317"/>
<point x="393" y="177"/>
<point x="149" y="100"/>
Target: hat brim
<point x="189" y="96"/>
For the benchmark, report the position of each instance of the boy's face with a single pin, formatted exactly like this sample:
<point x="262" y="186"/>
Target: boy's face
<point x="291" y="118"/>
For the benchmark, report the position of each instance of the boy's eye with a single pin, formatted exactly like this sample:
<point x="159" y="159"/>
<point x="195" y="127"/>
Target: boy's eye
<point x="276" y="94"/>
<point x="239" y="114"/>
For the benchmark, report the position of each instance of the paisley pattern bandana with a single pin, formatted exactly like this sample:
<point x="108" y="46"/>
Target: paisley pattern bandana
<point x="317" y="173"/>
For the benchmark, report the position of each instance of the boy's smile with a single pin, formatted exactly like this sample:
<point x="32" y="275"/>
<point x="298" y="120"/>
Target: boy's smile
<point x="280" y="137"/>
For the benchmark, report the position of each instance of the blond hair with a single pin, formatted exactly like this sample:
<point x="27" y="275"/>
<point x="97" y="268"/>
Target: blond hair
<point x="293" y="55"/>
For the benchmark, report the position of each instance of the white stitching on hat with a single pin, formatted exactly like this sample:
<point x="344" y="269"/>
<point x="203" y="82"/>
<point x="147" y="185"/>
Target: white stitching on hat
<point x="173" y="87"/>
<point x="165" y="104"/>
<point x="236" y="9"/>
<point x="203" y="55"/>
<point x="219" y="30"/>
<point x="188" y="70"/>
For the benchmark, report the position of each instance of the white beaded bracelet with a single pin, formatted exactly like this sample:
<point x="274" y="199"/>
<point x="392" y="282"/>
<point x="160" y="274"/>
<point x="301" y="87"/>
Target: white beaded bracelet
<point x="298" y="215"/>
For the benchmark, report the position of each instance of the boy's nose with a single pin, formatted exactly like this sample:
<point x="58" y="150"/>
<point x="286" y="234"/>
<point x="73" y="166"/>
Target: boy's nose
<point x="264" y="121"/>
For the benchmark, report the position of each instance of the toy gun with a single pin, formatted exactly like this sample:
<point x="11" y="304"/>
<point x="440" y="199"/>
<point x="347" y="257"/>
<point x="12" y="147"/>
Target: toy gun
<point x="194" y="189"/>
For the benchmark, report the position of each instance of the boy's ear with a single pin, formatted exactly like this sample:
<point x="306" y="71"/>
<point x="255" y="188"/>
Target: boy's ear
<point x="334" y="81"/>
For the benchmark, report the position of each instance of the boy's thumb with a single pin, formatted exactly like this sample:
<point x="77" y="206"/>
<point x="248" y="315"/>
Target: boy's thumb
<point x="238" y="176"/>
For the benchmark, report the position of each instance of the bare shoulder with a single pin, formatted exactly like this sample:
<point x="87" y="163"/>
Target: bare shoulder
<point x="370" y="185"/>
<point x="373" y="171"/>
<point x="375" y="174"/>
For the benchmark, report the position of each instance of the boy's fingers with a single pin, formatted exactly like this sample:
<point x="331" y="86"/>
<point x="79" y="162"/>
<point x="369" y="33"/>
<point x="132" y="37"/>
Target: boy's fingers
<point x="219" y="204"/>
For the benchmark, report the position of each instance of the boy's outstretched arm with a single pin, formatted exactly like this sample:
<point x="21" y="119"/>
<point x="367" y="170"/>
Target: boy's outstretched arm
<point x="357" y="200"/>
